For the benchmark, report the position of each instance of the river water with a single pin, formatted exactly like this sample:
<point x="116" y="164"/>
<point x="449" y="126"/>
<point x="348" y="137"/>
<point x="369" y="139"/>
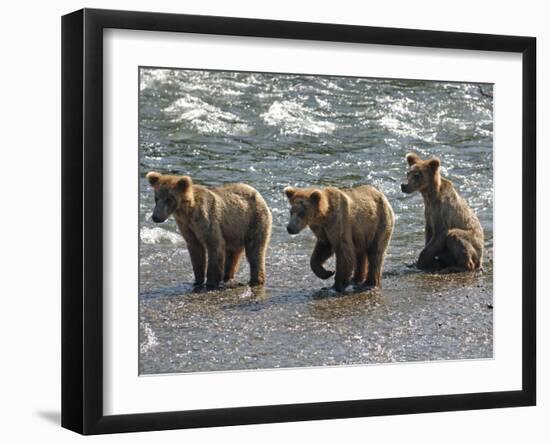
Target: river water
<point x="276" y="130"/>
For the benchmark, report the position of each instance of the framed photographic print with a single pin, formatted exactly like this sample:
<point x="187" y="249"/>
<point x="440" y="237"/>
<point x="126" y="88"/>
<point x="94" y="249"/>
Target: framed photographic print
<point x="269" y="221"/>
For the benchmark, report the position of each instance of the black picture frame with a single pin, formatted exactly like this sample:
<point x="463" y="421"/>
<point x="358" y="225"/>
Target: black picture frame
<point x="82" y="218"/>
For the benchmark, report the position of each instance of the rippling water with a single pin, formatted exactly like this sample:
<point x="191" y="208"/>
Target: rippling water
<point x="271" y="131"/>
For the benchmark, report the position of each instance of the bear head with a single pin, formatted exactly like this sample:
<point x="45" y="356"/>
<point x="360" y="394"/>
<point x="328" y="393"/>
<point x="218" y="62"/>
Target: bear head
<point x="422" y="174"/>
<point x="307" y="207"/>
<point x="171" y="193"/>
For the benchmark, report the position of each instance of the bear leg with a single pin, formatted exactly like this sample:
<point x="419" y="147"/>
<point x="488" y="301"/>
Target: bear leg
<point x="376" y="254"/>
<point x="216" y="262"/>
<point x="361" y="264"/>
<point x="255" y="249"/>
<point x="375" y="269"/>
<point x="459" y="254"/>
<point x="232" y="259"/>
<point x="321" y="253"/>
<point x="427" y="260"/>
<point x="198" y="258"/>
<point x="345" y="260"/>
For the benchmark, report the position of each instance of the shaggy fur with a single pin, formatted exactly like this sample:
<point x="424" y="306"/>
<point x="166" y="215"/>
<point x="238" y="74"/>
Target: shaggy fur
<point x="219" y="225"/>
<point x="454" y="236"/>
<point x="355" y="224"/>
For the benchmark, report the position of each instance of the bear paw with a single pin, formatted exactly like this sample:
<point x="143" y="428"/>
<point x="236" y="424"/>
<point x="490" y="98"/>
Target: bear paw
<point x="339" y="287"/>
<point x="213" y="286"/>
<point x="323" y="274"/>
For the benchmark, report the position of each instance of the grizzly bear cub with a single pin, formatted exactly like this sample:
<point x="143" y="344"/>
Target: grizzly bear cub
<point x="219" y="223"/>
<point x="454" y="236"/>
<point x="356" y="224"/>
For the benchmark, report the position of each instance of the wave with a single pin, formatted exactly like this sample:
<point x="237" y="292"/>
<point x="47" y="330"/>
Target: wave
<point x="149" y="341"/>
<point x="402" y="129"/>
<point x="205" y="117"/>
<point x="294" y="118"/>
<point x="150" y="77"/>
<point x="155" y="236"/>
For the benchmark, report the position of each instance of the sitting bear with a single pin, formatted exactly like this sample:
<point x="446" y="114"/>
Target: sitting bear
<point x="454" y="236"/>
<point x="219" y="223"/>
<point x="356" y="224"/>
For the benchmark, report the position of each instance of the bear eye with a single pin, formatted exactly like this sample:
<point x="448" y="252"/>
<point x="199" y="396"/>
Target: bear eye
<point x="416" y="176"/>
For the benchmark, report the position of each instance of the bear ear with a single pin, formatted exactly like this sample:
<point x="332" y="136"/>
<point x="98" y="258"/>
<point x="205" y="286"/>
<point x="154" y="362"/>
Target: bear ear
<point x="183" y="183"/>
<point x="289" y="192"/>
<point x="153" y="178"/>
<point x="434" y="163"/>
<point x="320" y="201"/>
<point x="316" y="196"/>
<point x="412" y="158"/>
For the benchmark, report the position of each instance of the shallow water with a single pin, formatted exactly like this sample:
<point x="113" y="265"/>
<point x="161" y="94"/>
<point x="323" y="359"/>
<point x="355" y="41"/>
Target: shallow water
<point x="272" y="131"/>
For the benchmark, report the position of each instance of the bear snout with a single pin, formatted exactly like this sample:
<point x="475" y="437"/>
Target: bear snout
<point x="156" y="218"/>
<point x="291" y="230"/>
<point x="404" y="188"/>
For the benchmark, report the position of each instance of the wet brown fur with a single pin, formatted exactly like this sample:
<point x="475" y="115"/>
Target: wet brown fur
<point x="453" y="234"/>
<point x="219" y="225"/>
<point x="354" y="223"/>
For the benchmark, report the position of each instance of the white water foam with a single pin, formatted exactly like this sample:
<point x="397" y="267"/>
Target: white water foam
<point x="403" y="120"/>
<point x="149" y="341"/>
<point x="149" y="77"/>
<point x="205" y="117"/>
<point x="155" y="236"/>
<point x="294" y="118"/>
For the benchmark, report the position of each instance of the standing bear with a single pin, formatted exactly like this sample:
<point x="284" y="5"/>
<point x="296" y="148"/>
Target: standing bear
<point x="356" y="224"/>
<point x="454" y="236"/>
<point x="218" y="225"/>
